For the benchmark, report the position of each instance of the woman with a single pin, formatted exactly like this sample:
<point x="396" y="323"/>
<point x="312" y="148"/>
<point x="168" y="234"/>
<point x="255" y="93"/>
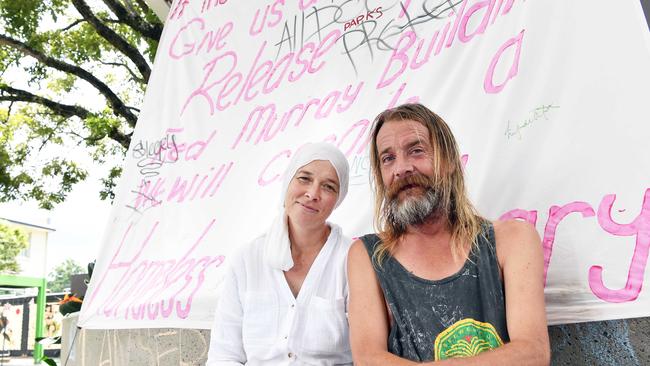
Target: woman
<point x="284" y="295"/>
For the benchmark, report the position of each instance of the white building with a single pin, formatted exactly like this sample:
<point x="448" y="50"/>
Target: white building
<point x="33" y="260"/>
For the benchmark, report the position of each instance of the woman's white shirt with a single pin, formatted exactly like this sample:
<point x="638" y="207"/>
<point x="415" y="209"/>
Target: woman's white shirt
<point x="259" y="322"/>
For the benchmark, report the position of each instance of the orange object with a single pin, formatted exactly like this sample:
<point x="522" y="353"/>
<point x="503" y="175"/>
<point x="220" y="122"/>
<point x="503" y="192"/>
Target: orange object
<point x="68" y="298"/>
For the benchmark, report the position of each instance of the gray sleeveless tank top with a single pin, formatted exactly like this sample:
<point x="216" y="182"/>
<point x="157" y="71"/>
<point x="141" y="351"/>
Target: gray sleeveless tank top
<point x="458" y="316"/>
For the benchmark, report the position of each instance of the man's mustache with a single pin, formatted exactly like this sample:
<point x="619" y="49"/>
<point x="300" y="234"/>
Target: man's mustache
<point x="415" y="180"/>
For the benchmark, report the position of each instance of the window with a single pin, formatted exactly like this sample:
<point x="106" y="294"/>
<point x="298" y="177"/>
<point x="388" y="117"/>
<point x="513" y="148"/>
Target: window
<point x="27" y="252"/>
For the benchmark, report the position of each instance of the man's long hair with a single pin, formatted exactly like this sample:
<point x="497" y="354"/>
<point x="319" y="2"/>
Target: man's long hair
<point x="460" y="215"/>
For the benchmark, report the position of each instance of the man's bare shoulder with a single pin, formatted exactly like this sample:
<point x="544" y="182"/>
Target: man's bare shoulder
<point x="513" y="228"/>
<point x="356" y="248"/>
<point x="516" y="238"/>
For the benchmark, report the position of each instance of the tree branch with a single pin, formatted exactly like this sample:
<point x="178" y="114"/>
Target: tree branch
<point x="121" y="138"/>
<point x="133" y="75"/>
<point x="149" y="30"/>
<point x="50" y="135"/>
<point x="113" y="38"/>
<point x="114" y="134"/>
<point x="11" y="105"/>
<point x="73" y="24"/>
<point x="116" y="103"/>
<point x="10" y="94"/>
<point x="143" y="5"/>
<point x="110" y="20"/>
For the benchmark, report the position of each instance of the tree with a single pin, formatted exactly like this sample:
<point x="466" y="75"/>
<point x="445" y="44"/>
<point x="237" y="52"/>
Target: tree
<point x="12" y="242"/>
<point x="72" y="73"/>
<point x="60" y="277"/>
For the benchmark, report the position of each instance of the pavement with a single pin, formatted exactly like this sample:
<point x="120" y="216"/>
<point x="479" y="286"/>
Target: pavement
<point x="24" y="361"/>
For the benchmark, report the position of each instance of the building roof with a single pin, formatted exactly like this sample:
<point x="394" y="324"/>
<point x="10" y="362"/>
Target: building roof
<point x="41" y="227"/>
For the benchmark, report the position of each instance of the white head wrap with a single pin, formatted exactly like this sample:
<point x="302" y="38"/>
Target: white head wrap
<point x="277" y="248"/>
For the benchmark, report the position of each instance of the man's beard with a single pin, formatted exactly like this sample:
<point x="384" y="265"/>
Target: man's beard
<point x="416" y="207"/>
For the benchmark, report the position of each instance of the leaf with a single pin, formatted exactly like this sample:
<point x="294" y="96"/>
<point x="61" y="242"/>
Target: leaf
<point x="46" y="341"/>
<point x="48" y="361"/>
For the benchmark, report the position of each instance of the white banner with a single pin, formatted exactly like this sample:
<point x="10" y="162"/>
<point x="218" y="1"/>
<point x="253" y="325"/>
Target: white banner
<point x="548" y="100"/>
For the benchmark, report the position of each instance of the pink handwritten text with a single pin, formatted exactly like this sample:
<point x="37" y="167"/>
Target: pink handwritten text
<point x="211" y="40"/>
<point x="152" y="193"/>
<point x="272" y="22"/>
<point x="322" y="108"/>
<point x="230" y="86"/>
<point x="409" y="51"/>
<point x="639" y="228"/>
<point x="152" y="289"/>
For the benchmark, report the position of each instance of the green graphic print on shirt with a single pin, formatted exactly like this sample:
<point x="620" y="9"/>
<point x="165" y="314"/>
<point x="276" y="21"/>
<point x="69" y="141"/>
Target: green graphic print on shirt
<point x="466" y="338"/>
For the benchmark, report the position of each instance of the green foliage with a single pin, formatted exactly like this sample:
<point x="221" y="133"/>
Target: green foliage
<point x="63" y="84"/>
<point x="100" y="125"/>
<point x="22" y="16"/>
<point x="12" y="242"/>
<point x="109" y="184"/>
<point x="48" y="361"/>
<point x="59" y="279"/>
<point x="47" y="181"/>
<point x="68" y="89"/>
<point x="80" y="44"/>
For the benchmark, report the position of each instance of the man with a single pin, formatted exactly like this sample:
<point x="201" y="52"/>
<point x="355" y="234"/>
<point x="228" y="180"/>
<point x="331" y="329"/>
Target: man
<point x="439" y="282"/>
